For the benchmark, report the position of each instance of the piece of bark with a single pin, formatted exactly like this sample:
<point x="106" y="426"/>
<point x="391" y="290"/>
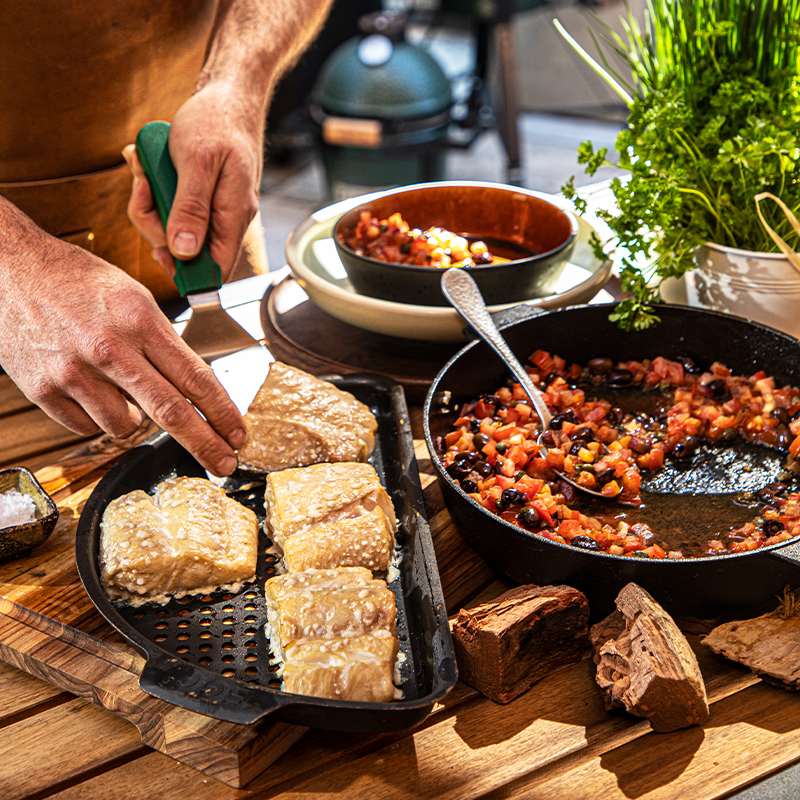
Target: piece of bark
<point x="505" y="645"/>
<point x="769" y="645"/>
<point x="646" y="666"/>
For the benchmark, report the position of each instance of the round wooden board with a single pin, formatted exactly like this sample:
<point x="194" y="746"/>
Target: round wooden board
<point x="298" y="333"/>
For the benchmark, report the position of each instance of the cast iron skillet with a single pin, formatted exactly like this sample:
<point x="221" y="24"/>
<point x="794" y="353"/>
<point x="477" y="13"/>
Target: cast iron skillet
<point x="210" y="655"/>
<point x="699" y="586"/>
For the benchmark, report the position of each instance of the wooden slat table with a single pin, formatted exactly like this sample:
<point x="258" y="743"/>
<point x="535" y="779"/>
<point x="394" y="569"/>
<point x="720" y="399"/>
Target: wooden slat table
<point x="74" y="725"/>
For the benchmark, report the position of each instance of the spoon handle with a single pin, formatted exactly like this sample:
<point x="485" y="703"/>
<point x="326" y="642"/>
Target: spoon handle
<point x="463" y="294"/>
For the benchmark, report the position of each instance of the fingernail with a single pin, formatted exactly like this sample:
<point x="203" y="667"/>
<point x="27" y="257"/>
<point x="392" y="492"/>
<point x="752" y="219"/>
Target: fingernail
<point x="226" y="466"/>
<point x="184" y="244"/>
<point x="236" y="439"/>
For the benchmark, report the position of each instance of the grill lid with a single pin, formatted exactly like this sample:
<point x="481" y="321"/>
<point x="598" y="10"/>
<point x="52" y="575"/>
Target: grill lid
<point x="381" y="76"/>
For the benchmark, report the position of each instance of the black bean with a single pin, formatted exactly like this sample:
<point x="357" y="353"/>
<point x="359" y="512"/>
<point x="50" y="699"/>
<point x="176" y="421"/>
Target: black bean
<point x="474" y="426"/>
<point x="491" y="399"/>
<point x="585" y="542"/>
<point x="498" y="467"/>
<point x="639" y="554"/>
<point x="529" y="518"/>
<point x="619" y="377"/>
<point x="688" y="365"/>
<point x="606" y="476"/>
<point x="685" y="448"/>
<point x="639" y="445"/>
<point x="576" y="447"/>
<point x="565" y="416"/>
<point x="466" y="457"/>
<point x="615" y="415"/>
<point x="479" y="441"/>
<point x="470" y="487"/>
<point x="484" y="469"/>
<point x="457" y="470"/>
<point x="783" y="437"/>
<point x="584" y="432"/>
<point x="600" y="366"/>
<point x="781" y="415"/>
<point x="548" y="439"/>
<point x="501" y="447"/>
<point x="513" y="497"/>
<point x="716" y="387"/>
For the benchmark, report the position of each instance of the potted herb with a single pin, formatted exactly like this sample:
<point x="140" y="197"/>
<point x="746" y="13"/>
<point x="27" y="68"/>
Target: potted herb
<point x="714" y="120"/>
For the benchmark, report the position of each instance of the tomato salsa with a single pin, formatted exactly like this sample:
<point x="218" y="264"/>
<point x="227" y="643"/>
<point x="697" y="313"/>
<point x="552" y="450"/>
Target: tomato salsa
<point x="495" y="454"/>
<point x="393" y="240"/>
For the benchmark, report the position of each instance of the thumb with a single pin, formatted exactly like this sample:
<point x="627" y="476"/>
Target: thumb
<point x="188" y="220"/>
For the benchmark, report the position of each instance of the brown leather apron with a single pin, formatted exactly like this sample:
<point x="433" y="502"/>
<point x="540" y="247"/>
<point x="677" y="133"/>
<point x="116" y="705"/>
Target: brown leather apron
<point x="79" y="80"/>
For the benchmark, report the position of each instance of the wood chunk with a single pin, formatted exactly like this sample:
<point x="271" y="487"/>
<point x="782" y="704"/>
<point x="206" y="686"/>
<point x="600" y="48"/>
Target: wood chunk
<point x="645" y="665"/>
<point x="505" y="645"/>
<point x="769" y="645"/>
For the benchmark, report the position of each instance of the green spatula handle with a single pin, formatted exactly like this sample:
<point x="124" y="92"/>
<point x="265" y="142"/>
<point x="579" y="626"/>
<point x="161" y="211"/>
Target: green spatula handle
<point x="198" y="274"/>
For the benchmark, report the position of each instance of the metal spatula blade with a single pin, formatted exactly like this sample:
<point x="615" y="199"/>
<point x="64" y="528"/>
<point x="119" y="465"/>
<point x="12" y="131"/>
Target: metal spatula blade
<point x="211" y="332"/>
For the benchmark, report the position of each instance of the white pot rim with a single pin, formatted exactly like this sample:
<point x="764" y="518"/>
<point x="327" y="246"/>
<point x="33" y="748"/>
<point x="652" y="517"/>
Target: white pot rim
<point x="722" y="248"/>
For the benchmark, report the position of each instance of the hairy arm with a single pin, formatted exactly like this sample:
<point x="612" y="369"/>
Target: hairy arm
<point x="217" y="136"/>
<point x="89" y="345"/>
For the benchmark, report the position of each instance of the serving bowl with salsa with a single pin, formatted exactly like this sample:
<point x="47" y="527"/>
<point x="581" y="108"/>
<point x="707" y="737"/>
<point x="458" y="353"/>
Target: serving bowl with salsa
<point x="514" y="242"/>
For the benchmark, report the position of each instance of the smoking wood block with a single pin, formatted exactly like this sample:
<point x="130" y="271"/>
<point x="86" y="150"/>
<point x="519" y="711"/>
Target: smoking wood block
<point x="505" y="645"/>
<point x="645" y="665"/>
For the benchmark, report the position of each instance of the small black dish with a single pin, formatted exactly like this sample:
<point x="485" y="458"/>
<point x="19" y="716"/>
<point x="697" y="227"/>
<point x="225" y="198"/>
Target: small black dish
<point x="18" y="540"/>
<point x="523" y="220"/>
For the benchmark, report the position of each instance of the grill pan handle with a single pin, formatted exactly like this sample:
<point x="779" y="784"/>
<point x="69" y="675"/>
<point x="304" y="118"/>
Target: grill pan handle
<point x="189" y="687"/>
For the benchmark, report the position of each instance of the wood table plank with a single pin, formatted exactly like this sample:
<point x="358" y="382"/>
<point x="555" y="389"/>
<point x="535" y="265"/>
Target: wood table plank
<point x="22" y="693"/>
<point x="87" y="739"/>
<point x="31" y="433"/>
<point x="12" y="401"/>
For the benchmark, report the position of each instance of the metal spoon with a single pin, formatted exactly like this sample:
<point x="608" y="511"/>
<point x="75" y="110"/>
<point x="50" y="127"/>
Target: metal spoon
<point x="464" y="295"/>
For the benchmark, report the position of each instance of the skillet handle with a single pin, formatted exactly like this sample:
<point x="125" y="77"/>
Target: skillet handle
<point x="194" y="689"/>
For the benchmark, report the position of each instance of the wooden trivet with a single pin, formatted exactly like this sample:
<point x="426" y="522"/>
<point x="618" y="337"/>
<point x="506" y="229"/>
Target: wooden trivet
<point x="308" y="338"/>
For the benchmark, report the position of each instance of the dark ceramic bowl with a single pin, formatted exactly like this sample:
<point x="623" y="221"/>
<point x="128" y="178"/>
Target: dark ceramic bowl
<point x="500" y="215"/>
<point x="19" y="540"/>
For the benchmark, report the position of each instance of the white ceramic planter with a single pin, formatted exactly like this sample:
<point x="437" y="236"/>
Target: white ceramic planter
<point x="764" y="287"/>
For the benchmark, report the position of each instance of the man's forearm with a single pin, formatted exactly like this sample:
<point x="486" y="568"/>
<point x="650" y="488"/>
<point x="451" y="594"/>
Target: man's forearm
<point x="253" y="42"/>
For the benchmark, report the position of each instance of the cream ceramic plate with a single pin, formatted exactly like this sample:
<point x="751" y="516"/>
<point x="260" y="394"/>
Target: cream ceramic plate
<point x="311" y="255"/>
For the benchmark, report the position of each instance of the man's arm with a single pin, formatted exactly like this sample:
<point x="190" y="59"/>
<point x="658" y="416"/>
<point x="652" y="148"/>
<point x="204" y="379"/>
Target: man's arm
<point x="89" y="345"/>
<point x="216" y="138"/>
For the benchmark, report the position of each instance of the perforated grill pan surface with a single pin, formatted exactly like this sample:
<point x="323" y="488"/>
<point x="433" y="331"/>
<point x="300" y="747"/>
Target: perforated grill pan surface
<point x="209" y="653"/>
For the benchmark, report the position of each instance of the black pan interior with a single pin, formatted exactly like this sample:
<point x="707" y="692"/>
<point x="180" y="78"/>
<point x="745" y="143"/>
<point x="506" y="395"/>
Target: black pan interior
<point x="194" y="642"/>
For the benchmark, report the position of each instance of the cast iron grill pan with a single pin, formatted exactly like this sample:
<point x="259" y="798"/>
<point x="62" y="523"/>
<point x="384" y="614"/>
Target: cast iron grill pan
<point x="209" y="653"/>
<point x="704" y="586"/>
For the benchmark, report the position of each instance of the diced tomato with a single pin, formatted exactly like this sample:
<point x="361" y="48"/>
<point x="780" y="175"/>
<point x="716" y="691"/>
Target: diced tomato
<point x="543" y="361"/>
<point x="484" y="409"/>
<point x="451" y="438"/>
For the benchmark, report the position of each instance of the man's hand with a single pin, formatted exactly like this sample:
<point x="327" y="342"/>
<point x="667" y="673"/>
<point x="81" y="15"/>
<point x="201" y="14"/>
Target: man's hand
<point x="89" y="345"/>
<point x="215" y="143"/>
<point x="216" y="138"/>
